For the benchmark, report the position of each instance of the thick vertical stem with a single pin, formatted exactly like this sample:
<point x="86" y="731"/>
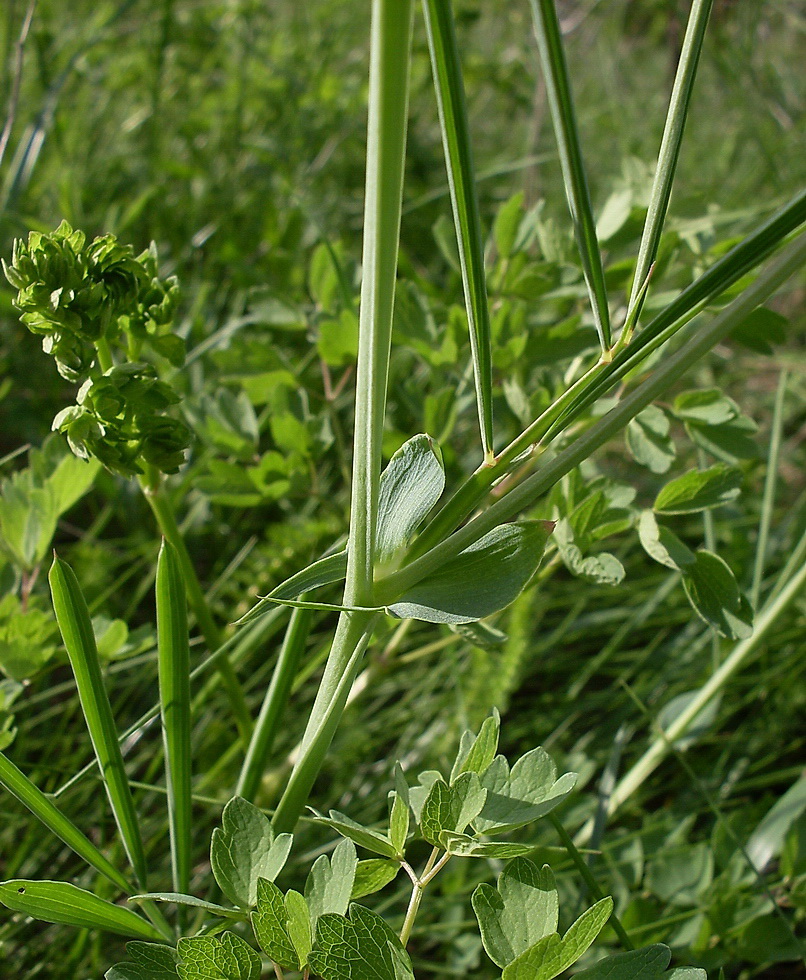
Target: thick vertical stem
<point x="390" y="49"/>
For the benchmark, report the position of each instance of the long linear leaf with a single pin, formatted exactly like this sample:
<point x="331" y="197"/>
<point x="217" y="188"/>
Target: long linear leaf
<point x="59" y="901"/>
<point x="669" y="150"/>
<point x="274" y="704"/>
<point x="174" y="681"/>
<point x="17" y="783"/>
<point x="74" y="622"/>
<point x="561" y="103"/>
<point x="325" y="571"/>
<point x="792" y="258"/>
<point x="452" y="105"/>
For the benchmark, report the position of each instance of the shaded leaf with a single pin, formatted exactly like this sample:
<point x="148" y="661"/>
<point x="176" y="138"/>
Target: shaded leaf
<point x="476" y="752"/>
<point x="148" y="961"/>
<point x="224" y="957"/>
<point x="519" y="912"/>
<point x="699" y="490"/>
<point x="361" y="947"/>
<point x="649" y="441"/>
<point x="372" y="840"/>
<point x="373" y="875"/>
<point x="662" y="544"/>
<point x="452" y="807"/>
<point x="714" y="594"/>
<point x="270" y="925"/>
<point x="636" y="964"/>
<point x="470" y="847"/>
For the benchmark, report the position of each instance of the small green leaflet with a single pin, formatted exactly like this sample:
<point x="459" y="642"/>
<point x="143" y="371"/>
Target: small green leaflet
<point x="410" y="486"/>
<point x="362" y="947"/>
<point x="699" y="490"/>
<point x="271" y="925"/>
<point x="224" y="957"/>
<point x="552" y="955"/>
<point x="59" y="901"/>
<point x="523" y="795"/>
<point x="148" y="961"/>
<point x="712" y="590"/>
<point x="602" y="568"/>
<point x="648" y="963"/>
<point x="418" y="794"/>
<point x="482" y="579"/>
<point x="451" y="808"/>
<point x="330" y="881"/>
<point x="522" y="910"/>
<point x="372" y="840"/>
<point x="649" y="441"/>
<point x="244" y="849"/>
<point x="662" y="544"/>
<point x="476" y="752"/>
<point x="464" y="846"/>
<point x="705" y="407"/>
<point x="506" y="225"/>
<point x="398" y="823"/>
<point x="373" y="875"/>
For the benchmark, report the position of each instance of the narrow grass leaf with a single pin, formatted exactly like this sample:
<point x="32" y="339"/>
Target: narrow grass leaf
<point x="18" y="784"/>
<point x="669" y="150"/>
<point x="326" y="571"/>
<point x="452" y="105"/>
<point x="173" y="652"/>
<point x="558" y="89"/>
<point x="74" y="622"/>
<point x="59" y="901"/>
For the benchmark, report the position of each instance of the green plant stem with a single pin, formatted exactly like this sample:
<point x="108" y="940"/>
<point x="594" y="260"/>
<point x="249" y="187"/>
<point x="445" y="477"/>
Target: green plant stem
<point x="163" y="512"/>
<point x="390" y="54"/>
<point x="660" y="748"/>
<point x="274" y="704"/>
<point x="432" y="868"/>
<point x="669" y="151"/>
<point x="603" y="376"/>
<point x="768" y="498"/>
<point x="587" y="877"/>
<point x="668" y="373"/>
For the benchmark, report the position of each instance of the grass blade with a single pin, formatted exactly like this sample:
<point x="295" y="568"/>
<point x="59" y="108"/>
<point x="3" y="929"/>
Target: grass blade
<point x="174" y="681"/>
<point x="558" y="89"/>
<point x="770" y="484"/>
<point x="19" y="785"/>
<point x="274" y="704"/>
<point x="450" y="91"/>
<point x="59" y="901"/>
<point x="669" y="150"/>
<point x="74" y="622"/>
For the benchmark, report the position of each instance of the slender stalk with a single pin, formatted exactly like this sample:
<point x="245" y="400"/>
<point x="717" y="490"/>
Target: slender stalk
<point x="390" y="53"/>
<point x="770" y="483"/>
<point x="561" y="103"/>
<point x="660" y="748"/>
<point x="669" y="372"/>
<point x="274" y="704"/>
<point x="432" y="868"/>
<point x="669" y="150"/>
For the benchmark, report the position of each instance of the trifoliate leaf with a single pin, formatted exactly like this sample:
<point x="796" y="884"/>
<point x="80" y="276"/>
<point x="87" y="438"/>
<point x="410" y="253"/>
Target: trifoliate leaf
<point x="552" y="955"/>
<point x="699" y="490"/>
<point x="523" y="795"/>
<point x="224" y="957"/>
<point x="476" y="752"/>
<point x="245" y="849"/>
<point x="484" y="578"/>
<point x="373" y="875"/>
<point x="148" y="961"/>
<point x="330" y="881"/>
<point x="714" y="594"/>
<point x="372" y="840"/>
<point x="361" y="947"/>
<point x="410" y="486"/>
<point x="519" y="913"/>
<point x="662" y="544"/>
<point x="649" y="441"/>
<point x="451" y="808"/>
